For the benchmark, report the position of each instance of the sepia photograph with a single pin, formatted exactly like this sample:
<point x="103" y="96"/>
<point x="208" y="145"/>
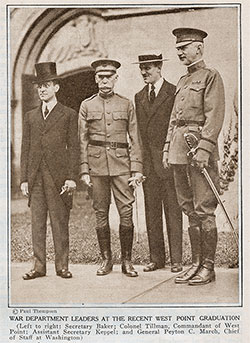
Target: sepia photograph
<point x="124" y="172"/>
<point x="124" y="155"/>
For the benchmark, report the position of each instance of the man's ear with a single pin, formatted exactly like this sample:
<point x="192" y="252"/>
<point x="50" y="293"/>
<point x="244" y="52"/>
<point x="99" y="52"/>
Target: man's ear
<point x="57" y="87"/>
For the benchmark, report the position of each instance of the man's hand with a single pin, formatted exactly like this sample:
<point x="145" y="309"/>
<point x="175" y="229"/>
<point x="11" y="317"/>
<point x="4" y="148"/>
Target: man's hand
<point x="165" y="163"/>
<point x="24" y="188"/>
<point x="86" y="179"/>
<point x="69" y="187"/>
<point x="136" y="179"/>
<point x="201" y="159"/>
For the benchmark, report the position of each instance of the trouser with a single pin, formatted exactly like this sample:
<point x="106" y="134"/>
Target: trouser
<point x="123" y="195"/>
<point x="160" y="194"/>
<point x="45" y="198"/>
<point x="199" y="203"/>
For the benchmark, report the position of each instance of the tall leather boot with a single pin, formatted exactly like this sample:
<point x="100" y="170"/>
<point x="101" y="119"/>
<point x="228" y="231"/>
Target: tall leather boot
<point x="195" y="240"/>
<point x="103" y="236"/>
<point x="206" y="272"/>
<point x="126" y="240"/>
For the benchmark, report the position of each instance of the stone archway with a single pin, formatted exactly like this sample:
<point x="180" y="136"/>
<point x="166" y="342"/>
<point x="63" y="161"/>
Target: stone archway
<point x="71" y="37"/>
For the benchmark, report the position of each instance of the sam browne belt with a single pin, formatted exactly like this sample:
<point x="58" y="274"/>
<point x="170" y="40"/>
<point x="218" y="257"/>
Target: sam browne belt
<point x="112" y="145"/>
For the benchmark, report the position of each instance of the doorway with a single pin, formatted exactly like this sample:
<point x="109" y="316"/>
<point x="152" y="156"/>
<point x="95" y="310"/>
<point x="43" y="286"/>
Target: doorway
<point x="76" y="87"/>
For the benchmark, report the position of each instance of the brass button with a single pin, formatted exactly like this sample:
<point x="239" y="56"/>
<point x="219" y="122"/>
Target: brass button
<point x="108" y="135"/>
<point x="108" y="148"/>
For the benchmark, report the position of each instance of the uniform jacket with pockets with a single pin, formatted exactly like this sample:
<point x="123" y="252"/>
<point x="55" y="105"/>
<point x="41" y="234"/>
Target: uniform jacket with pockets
<point x="109" y="120"/>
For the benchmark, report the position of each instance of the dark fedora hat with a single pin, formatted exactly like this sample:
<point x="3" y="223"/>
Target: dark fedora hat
<point x="45" y="71"/>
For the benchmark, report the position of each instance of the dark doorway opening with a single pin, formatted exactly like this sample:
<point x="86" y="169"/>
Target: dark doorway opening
<point x="76" y="87"/>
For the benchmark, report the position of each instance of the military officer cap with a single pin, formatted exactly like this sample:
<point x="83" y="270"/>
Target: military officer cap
<point x="106" y="66"/>
<point x="150" y="57"/>
<point x="186" y="35"/>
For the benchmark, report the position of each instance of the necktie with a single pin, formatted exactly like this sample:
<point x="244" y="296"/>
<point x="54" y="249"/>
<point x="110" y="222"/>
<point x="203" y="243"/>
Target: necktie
<point x="152" y="94"/>
<point x="46" y="112"/>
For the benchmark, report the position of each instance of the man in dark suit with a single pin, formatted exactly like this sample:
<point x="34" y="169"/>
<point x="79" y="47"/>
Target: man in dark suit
<point x="153" y="108"/>
<point x="49" y="166"/>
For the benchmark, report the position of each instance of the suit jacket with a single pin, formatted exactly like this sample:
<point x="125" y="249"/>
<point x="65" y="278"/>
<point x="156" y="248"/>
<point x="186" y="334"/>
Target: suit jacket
<point x="153" y="121"/>
<point x="55" y="140"/>
<point x="109" y="120"/>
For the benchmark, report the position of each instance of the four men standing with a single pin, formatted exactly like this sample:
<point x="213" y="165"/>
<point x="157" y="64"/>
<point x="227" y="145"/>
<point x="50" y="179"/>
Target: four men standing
<point x="111" y="160"/>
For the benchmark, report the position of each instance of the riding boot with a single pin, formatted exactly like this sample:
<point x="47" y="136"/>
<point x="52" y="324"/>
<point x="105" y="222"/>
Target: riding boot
<point x="103" y="236"/>
<point x="126" y="240"/>
<point x="195" y="240"/>
<point x="206" y="272"/>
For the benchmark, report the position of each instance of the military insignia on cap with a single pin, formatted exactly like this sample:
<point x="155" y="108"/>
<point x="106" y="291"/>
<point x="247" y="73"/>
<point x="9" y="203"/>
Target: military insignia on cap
<point x="187" y="35"/>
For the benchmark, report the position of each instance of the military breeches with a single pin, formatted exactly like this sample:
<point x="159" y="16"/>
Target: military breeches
<point x="123" y="195"/>
<point x="160" y="194"/>
<point x="45" y="198"/>
<point x="194" y="193"/>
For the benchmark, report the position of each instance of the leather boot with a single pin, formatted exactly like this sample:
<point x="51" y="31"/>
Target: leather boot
<point x="206" y="272"/>
<point x="126" y="240"/>
<point x="103" y="236"/>
<point x="195" y="240"/>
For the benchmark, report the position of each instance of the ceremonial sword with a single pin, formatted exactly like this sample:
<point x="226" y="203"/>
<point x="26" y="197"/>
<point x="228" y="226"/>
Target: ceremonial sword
<point x="192" y="143"/>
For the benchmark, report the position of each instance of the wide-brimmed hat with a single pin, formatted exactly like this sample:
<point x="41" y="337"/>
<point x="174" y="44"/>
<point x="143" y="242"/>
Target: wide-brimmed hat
<point x="149" y="57"/>
<point x="45" y="71"/>
<point x="105" y="65"/>
<point x="187" y="35"/>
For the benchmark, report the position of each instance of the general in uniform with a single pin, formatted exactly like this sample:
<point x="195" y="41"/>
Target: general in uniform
<point x="49" y="168"/>
<point x="199" y="108"/>
<point x="108" y="161"/>
<point x="153" y="106"/>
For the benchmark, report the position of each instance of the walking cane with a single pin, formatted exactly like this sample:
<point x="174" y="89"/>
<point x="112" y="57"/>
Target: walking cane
<point x="192" y="143"/>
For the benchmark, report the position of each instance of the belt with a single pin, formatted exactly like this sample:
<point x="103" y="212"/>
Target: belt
<point x="183" y="122"/>
<point x="112" y="145"/>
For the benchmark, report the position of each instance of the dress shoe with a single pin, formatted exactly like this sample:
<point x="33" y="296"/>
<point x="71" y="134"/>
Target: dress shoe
<point x="128" y="269"/>
<point x="176" y="267"/>
<point x="33" y="274"/>
<point x="150" y="267"/>
<point x="187" y="274"/>
<point x="64" y="273"/>
<point x="203" y="276"/>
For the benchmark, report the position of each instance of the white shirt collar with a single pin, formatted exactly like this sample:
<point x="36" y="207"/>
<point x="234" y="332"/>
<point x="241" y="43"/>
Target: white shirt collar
<point x="157" y="85"/>
<point x="50" y="105"/>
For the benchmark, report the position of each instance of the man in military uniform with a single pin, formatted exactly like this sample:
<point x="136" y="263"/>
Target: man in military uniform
<point x="199" y="108"/>
<point x="153" y="105"/>
<point x="108" y="162"/>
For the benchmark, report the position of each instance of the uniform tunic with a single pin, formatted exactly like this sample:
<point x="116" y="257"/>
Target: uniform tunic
<point x="199" y="107"/>
<point x="112" y="120"/>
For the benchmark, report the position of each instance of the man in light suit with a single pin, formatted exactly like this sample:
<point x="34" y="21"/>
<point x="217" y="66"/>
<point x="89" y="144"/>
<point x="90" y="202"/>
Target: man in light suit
<point x="153" y="108"/>
<point x="49" y="167"/>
